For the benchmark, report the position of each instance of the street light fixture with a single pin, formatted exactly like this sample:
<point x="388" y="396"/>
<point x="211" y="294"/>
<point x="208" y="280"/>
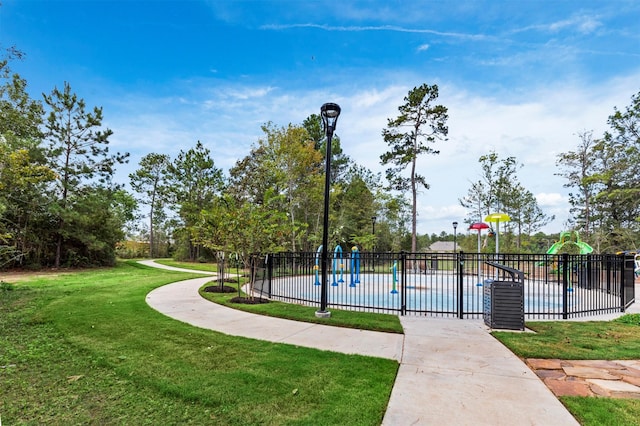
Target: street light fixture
<point x="455" y="236"/>
<point x="329" y="113"/>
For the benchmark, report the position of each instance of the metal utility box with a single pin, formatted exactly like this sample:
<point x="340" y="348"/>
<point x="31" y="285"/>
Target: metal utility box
<point x="504" y="299"/>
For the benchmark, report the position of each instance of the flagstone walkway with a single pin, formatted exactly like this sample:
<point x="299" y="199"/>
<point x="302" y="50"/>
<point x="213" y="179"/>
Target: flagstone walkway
<point x="611" y="379"/>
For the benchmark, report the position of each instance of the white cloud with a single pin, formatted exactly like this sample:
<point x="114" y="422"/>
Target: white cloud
<point x="550" y="199"/>
<point x="533" y="128"/>
<point x="388" y="28"/>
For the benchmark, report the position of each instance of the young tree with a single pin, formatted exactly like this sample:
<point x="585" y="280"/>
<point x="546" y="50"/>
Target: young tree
<point x="419" y="125"/>
<point x="150" y="182"/>
<point x="78" y="152"/>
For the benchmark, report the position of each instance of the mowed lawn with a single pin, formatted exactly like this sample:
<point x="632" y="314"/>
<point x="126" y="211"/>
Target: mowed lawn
<point x="84" y="347"/>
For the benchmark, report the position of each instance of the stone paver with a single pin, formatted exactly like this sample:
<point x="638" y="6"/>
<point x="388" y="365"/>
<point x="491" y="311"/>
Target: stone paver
<point x="611" y="379"/>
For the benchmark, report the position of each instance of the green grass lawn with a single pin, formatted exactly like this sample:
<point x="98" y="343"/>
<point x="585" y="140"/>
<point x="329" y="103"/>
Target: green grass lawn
<point x="85" y="348"/>
<point x="209" y="267"/>
<point x="614" y="340"/>
<point x="339" y="318"/>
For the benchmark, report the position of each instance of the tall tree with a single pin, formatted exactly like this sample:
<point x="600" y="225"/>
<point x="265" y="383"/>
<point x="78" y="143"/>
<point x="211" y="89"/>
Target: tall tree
<point x="419" y="125"/>
<point x="499" y="190"/>
<point x="339" y="160"/>
<point x="284" y="161"/>
<point x="23" y="169"/>
<point x="150" y="182"/>
<point x="78" y="152"/>
<point x="496" y="186"/>
<point x="623" y="142"/>
<point x="612" y="180"/>
<point x="19" y="114"/>
<point x="195" y="182"/>
<point x="354" y="206"/>
<point x="578" y="168"/>
<point x="21" y="202"/>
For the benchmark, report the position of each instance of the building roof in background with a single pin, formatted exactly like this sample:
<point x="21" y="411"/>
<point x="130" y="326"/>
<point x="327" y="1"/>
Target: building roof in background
<point x="440" y="246"/>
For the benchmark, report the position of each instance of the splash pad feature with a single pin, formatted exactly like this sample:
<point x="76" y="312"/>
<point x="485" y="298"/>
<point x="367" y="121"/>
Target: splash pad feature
<point x="355" y="267"/>
<point x="479" y="226"/>
<point x="556" y="286"/>
<point x="570" y="239"/>
<point x="337" y="264"/>
<point x="497" y="218"/>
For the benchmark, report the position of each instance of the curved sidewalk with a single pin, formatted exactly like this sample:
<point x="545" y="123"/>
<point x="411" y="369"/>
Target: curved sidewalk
<point x="452" y="372"/>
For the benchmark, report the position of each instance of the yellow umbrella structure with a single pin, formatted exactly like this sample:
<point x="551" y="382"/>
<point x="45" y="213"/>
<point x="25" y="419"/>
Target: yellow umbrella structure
<point x="497" y="218"/>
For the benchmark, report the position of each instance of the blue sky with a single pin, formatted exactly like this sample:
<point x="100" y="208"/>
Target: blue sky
<point x="519" y="77"/>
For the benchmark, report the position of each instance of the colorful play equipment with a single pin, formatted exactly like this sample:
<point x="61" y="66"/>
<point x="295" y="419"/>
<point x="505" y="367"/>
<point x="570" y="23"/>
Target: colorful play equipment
<point x="479" y="226"/>
<point x="568" y="239"/>
<point x="355" y="267"/>
<point x="338" y="264"/>
<point x="497" y="218"/>
<point x="394" y="268"/>
<point x="316" y="266"/>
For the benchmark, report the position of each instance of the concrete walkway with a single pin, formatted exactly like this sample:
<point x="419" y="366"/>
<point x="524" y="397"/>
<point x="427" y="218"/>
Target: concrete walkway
<point x="452" y="372"/>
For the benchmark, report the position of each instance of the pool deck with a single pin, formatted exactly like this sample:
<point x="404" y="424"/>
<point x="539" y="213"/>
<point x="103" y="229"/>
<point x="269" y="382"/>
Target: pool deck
<point x="451" y="371"/>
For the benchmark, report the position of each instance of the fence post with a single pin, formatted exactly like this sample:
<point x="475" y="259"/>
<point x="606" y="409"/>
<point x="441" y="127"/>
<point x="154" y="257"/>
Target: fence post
<point x="565" y="285"/>
<point x="269" y="265"/>
<point x="460" y="278"/>
<point x="403" y="283"/>
<point x="628" y="282"/>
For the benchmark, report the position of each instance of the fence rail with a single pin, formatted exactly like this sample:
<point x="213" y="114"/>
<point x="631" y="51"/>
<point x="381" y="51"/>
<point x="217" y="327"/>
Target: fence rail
<point x="448" y="284"/>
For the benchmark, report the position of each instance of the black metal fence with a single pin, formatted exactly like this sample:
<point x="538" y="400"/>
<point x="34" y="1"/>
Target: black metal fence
<point x="448" y="284"/>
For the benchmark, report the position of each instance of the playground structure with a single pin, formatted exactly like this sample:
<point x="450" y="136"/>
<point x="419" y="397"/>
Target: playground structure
<point x="570" y="239"/>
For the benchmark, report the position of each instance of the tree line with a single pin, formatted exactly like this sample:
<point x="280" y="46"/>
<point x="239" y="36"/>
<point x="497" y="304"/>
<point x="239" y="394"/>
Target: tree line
<point x="59" y="205"/>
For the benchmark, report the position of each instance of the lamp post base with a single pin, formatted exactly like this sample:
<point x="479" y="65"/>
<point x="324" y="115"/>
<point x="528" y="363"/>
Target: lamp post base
<point x="323" y="314"/>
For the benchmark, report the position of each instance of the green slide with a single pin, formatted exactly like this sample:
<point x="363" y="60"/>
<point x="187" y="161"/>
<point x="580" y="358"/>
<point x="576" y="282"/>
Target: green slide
<point x="573" y="238"/>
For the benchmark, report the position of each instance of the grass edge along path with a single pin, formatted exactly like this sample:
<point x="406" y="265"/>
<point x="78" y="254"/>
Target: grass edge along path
<point x="387" y="323"/>
<point x="339" y="318"/>
<point x="86" y="348"/>
<point x="607" y="340"/>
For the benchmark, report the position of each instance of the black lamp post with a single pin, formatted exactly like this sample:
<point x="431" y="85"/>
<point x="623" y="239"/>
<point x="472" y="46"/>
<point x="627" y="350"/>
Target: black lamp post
<point x="329" y="113"/>
<point x="373" y="230"/>
<point x="455" y="245"/>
